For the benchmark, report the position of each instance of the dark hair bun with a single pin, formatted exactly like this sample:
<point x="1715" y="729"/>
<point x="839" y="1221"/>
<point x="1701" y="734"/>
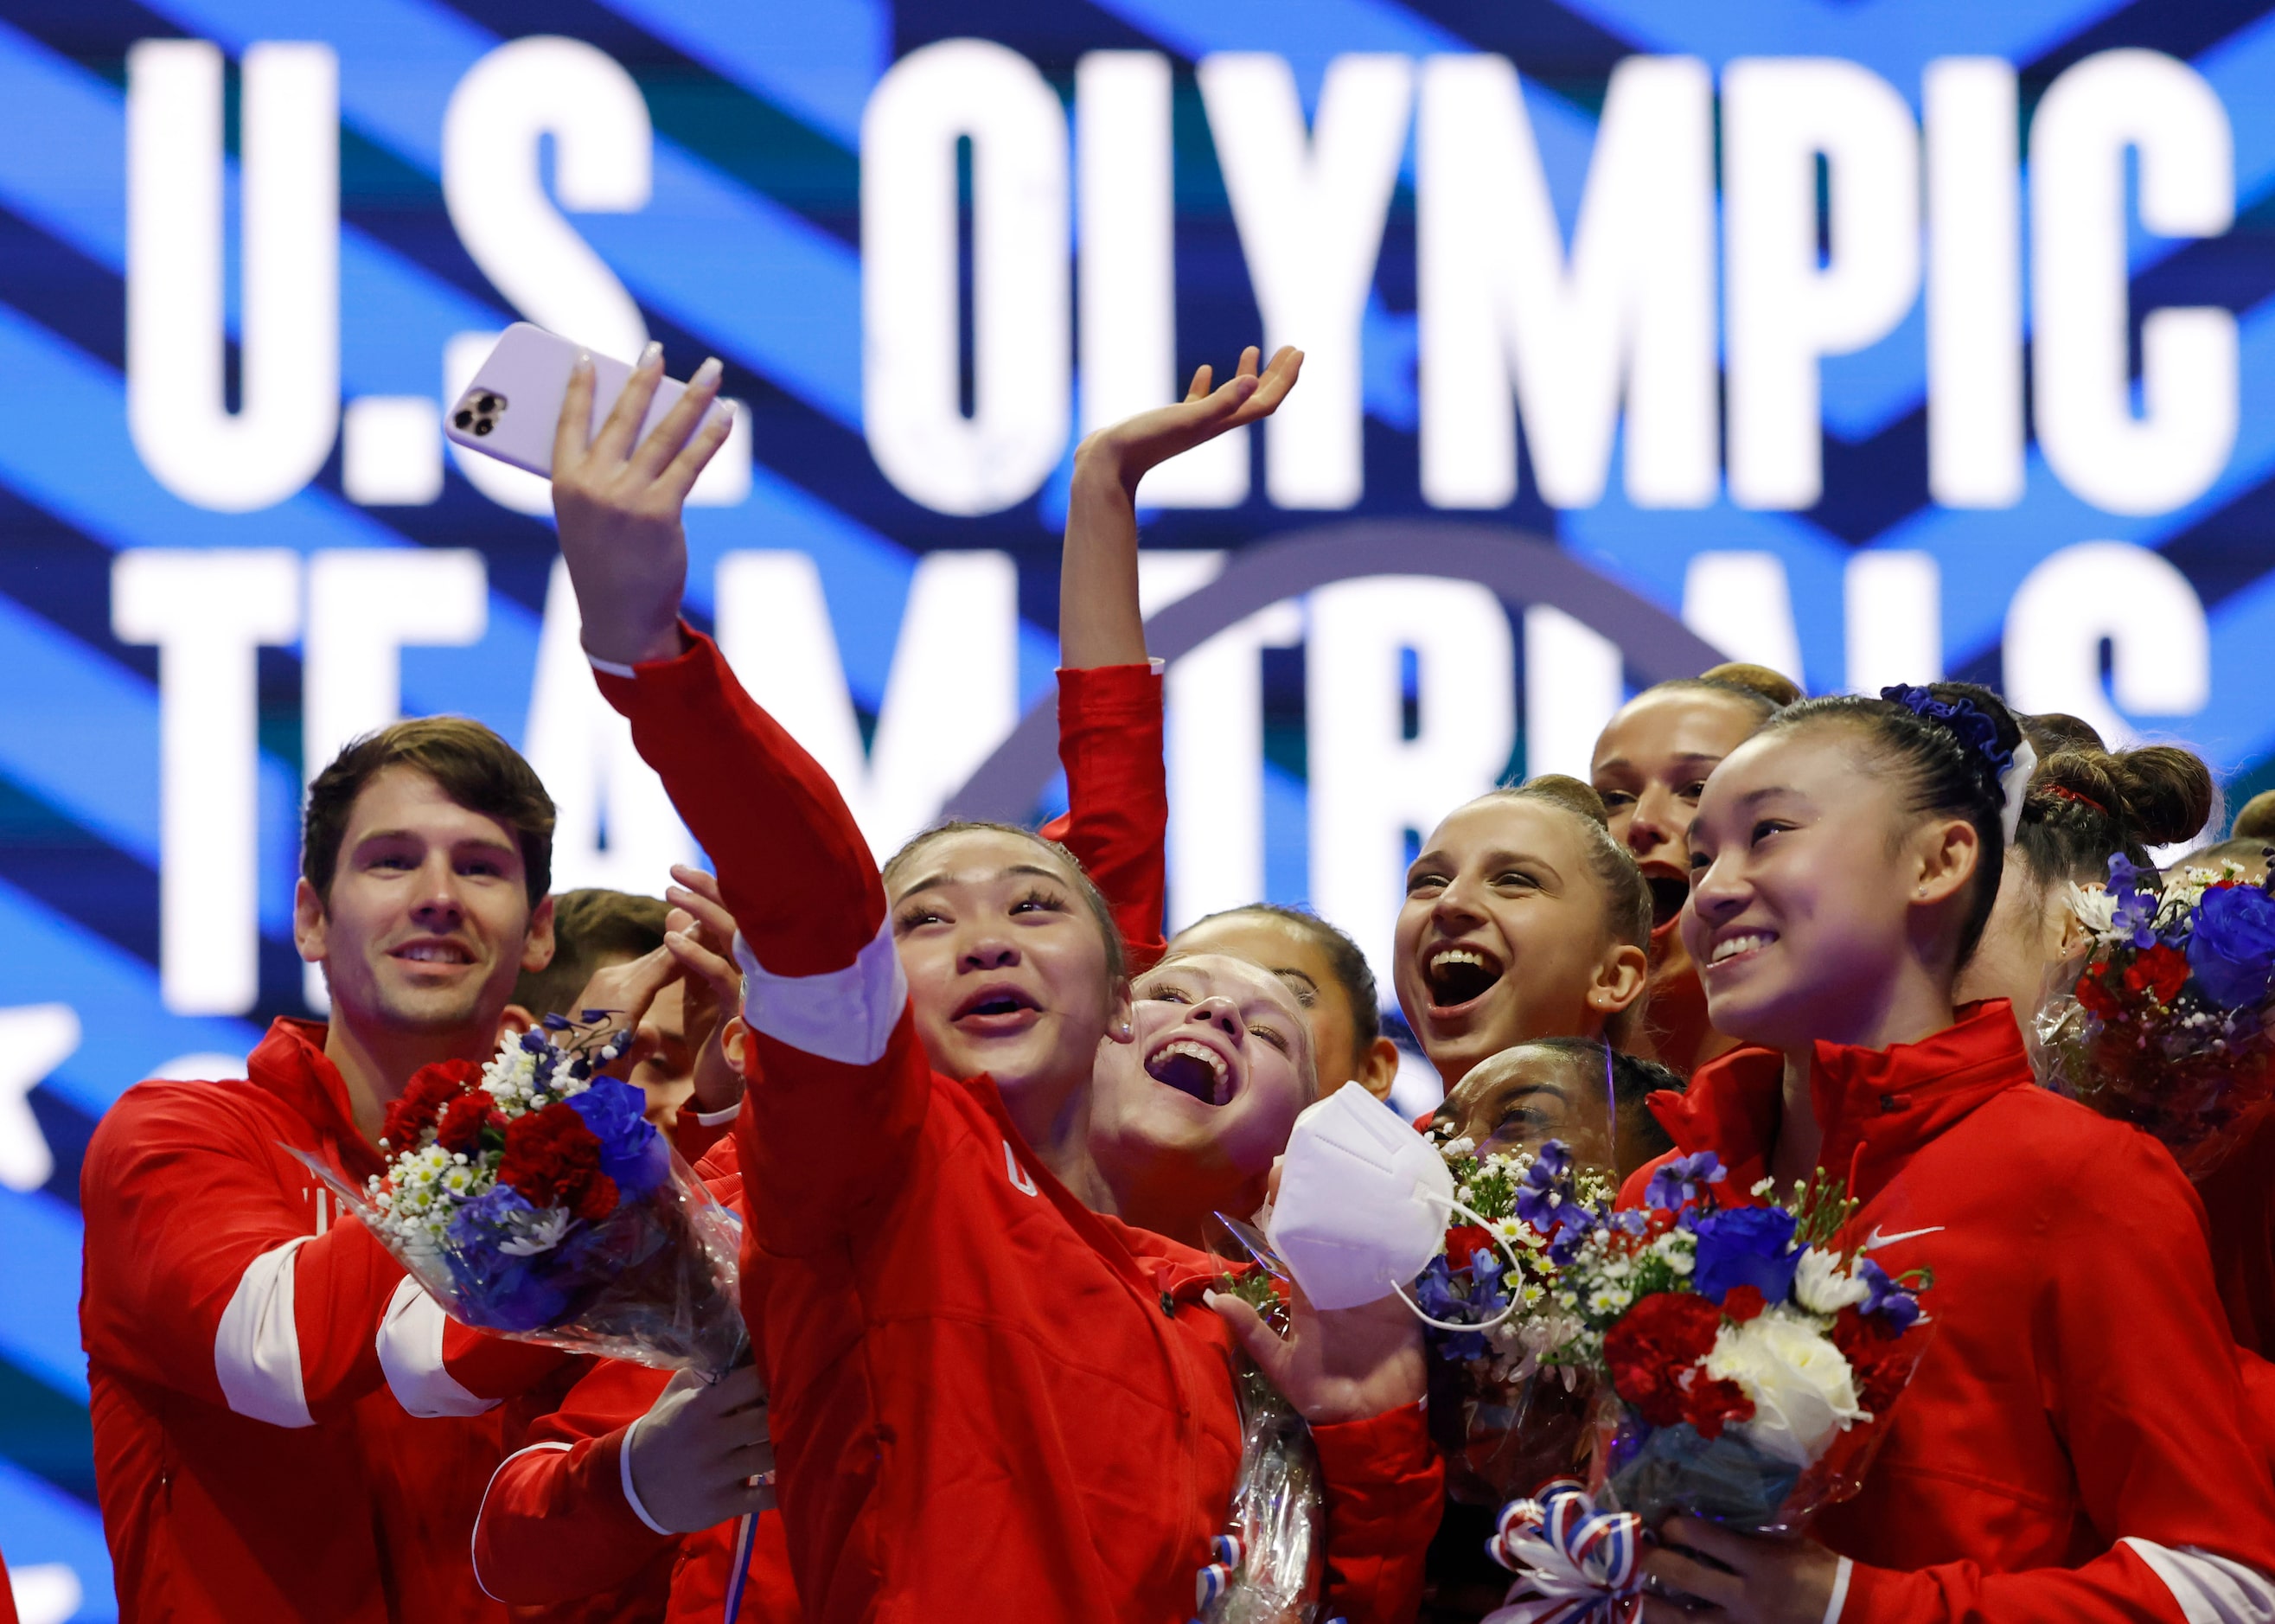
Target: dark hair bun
<point x="2157" y="795"/>
<point x="2167" y="790"/>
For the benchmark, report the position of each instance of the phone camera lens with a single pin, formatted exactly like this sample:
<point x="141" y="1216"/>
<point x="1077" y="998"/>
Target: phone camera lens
<point x="488" y="403"/>
<point x="482" y="425"/>
<point x="463" y="419"/>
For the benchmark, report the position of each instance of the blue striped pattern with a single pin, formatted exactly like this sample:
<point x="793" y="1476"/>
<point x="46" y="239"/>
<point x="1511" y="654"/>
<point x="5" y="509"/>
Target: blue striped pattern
<point x="749" y="250"/>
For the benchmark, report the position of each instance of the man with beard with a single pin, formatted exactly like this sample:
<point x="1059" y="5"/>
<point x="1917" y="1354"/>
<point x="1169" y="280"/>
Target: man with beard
<point x="250" y="1465"/>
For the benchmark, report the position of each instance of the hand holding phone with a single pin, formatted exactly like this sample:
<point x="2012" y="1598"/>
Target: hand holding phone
<point x="617" y="495"/>
<point x="511" y="408"/>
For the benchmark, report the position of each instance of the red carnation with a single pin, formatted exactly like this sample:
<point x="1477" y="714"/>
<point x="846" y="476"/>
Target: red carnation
<point x="2093" y="992"/>
<point x="1742" y="1303"/>
<point x="1878" y="1358"/>
<point x="423" y="1100"/>
<point x="2161" y="971"/>
<point x="553" y="1160"/>
<point x="1709" y="1405"/>
<point x="1466" y="1242"/>
<point x="1654" y="1345"/>
<point x="463" y="1119"/>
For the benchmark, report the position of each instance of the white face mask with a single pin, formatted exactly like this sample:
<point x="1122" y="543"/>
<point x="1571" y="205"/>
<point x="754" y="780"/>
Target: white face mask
<point x="1363" y="1202"/>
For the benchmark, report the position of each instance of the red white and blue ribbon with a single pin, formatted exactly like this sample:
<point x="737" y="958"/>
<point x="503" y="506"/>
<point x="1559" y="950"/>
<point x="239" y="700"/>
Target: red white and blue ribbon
<point x="1575" y="1565"/>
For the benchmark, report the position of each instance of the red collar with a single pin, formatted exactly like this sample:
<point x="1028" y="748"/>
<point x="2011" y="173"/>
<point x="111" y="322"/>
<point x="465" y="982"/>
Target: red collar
<point x="1879" y="1107"/>
<point x="290" y="1063"/>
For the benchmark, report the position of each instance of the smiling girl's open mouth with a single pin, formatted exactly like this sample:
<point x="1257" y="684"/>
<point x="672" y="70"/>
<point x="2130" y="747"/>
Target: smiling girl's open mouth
<point x="1458" y="976"/>
<point x="1193" y="1068"/>
<point x="994" y="1011"/>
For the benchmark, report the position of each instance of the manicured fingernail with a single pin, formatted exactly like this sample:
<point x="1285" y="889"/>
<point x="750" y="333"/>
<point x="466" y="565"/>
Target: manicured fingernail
<point x="653" y="356"/>
<point x="706" y="374"/>
<point x="584" y="361"/>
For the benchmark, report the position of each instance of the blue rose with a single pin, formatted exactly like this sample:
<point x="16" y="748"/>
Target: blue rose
<point x="632" y="1151"/>
<point x="2232" y="950"/>
<point x="1746" y="1246"/>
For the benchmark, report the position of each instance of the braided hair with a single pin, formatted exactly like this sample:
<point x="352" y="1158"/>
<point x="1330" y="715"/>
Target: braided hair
<point x="1946" y="745"/>
<point x="2087" y="804"/>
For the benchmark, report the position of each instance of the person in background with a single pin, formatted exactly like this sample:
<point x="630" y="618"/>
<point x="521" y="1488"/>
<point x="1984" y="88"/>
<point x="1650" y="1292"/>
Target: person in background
<point x="2257" y="821"/>
<point x="1523" y="918"/>
<point x="1187" y="1118"/>
<point x="2084" y="805"/>
<point x="2075" y="1443"/>
<point x="595" y="931"/>
<point x="248" y="1463"/>
<point x="1651" y="762"/>
<point x="1558" y="1088"/>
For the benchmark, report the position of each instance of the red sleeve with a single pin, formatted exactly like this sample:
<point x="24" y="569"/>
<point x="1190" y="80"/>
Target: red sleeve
<point x="202" y="1274"/>
<point x="1385" y="1489"/>
<point x="2155" y="1426"/>
<point x="1118" y="817"/>
<point x="556" y="1523"/>
<point x="823" y="991"/>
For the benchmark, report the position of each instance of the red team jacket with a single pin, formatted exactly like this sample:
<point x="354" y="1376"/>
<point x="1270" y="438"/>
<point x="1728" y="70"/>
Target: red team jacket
<point x="1117" y="796"/>
<point x="987" y="1400"/>
<point x="2074" y="1445"/>
<point x="249" y="1462"/>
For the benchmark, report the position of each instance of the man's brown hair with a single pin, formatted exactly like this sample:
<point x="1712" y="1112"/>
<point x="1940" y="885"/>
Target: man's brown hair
<point x="590" y="929"/>
<point x="469" y="763"/>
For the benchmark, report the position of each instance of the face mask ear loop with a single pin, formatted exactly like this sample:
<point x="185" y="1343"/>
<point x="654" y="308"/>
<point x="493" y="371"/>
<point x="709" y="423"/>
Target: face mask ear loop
<point x="1515" y="1269"/>
<point x="1612" y="1097"/>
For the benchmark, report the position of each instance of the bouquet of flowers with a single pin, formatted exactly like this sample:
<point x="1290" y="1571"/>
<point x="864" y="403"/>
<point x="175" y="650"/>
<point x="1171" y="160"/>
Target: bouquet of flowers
<point x="2165" y="1025"/>
<point x="531" y="1197"/>
<point x="1506" y="1408"/>
<point x="1749" y="1350"/>
<point x="1270" y="1563"/>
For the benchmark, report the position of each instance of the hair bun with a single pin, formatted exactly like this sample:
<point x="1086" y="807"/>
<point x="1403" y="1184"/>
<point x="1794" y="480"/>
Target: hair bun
<point x="2167" y="790"/>
<point x="2157" y="795"/>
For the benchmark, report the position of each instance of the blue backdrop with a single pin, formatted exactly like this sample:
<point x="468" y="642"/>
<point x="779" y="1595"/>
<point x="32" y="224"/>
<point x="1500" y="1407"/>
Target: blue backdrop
<point x="749" y="246"/>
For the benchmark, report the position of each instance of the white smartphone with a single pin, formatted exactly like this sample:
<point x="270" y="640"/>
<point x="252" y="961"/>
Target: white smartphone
<point x="513" y="406"/>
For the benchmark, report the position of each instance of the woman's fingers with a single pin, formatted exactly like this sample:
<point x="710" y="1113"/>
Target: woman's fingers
<point x="673" y="430"/>
<point x="576" y="423"/>
<point x="679" y="476"/>
<point x="707" y="910"/>
<point x="700" y="881"/>
<point x="1271" y="387"/>
<point x="1203" y="380"/>
<point x="614" y="443"/>
<point x="1262" y="1342"/>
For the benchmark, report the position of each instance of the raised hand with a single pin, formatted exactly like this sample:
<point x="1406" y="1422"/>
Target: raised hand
<point x="699" y="933"/>
<point x="1134" y="445"/>
<point x="696" y="1455"/>
<point x="1335" y="1364"/>
<point x="1099" y="622"/>
<point x="618" y="505"/>
<point x="625" y="991"/>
